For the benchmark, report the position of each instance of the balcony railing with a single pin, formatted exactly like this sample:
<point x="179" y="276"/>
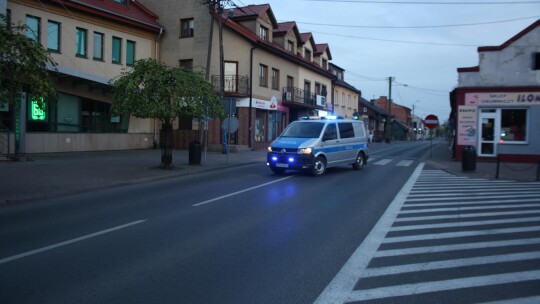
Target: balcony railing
<point x="233" y="84"/>
<point x="297" y="95"/>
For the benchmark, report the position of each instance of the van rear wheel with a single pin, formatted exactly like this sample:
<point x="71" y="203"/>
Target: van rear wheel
<point x="319" y="166"/>
<point x="359" y="162"/>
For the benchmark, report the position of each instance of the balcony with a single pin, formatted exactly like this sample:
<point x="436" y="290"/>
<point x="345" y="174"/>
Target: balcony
<point x="296" y="96"/>
<point x="234" y="85"/>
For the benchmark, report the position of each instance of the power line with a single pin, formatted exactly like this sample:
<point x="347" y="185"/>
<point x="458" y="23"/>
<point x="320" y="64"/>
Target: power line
<point x="399" y="41"/>
<point x="426" y="2"/>
<point x="419" y="26"/>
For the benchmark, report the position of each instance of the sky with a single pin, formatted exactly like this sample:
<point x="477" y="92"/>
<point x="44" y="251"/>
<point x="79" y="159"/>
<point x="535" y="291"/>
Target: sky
<point x="420" y="44"/>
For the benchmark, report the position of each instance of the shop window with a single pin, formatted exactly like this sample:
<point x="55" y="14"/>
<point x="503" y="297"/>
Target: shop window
<point x="513" y="125"/>
<point x="260" y="126"/>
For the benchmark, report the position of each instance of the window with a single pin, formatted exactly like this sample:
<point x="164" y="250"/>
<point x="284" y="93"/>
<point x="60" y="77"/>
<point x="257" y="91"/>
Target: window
<point x="98" y="46"/>
<point x="263" y="33"/>
<point x="290" y="83"/>
<point x="325" y="64"/>
<point x="330" y="133"/>
<point x="33" y="25"/>
<point x="116" y="50"/>
<point x="275" y="79"/>
<point x="346" y="130"/>
<point x="513" y="125"/>
<point x="120" y="1"/>
<point x="130" y="52"/>
<point x="80" y="42"/>
<point x="308" y="55"/>
<point x="343" y="99"/>
<point x="53" y="36"/>
<point x="536" y="61"/>
<point x="317" y="88"/>
<point x="263" y="75"/>
<point x="186" y="64"/>
<point x="290" y="46"/>
<point x="187" y="27"/>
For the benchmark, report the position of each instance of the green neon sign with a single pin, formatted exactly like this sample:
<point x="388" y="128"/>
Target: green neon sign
<point x="37" y="112"/>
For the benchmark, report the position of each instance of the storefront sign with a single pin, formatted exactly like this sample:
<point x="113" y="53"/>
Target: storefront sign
<point x="506" y="99"/>
<point x="258" y="103"/>
<point x="467" y="125"/>
<point x="37" y="112"/>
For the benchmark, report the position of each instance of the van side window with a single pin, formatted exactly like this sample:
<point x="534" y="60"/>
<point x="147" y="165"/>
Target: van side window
<point x="346" y="130"/>
<point x="330" y="132"/>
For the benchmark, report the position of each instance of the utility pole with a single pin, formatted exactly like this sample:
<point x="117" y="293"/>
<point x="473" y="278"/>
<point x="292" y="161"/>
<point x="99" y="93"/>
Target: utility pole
<point x="389" y="120"/>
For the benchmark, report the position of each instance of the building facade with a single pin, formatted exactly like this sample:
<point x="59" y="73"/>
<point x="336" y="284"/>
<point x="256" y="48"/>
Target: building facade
<point x="272" y="74"/>
<point x="345" y="98"/>
<point x="92" y="41"/>
<point x="497" y="103"/>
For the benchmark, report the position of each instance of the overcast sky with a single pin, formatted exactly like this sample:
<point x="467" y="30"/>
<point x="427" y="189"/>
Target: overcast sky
<point x="416" y="42"/>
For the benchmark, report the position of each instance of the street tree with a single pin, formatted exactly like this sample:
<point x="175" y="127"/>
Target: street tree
<point x="24" y="66"/>
<point x="154" y="90"/>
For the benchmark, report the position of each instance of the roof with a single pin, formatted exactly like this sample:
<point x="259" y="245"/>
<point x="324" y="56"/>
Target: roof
<point x="500" y="47"/>
<point x="371" y="106"/>
<point x="305" y="37"/>
<point x="321" y="48"/>
<point x="269" y="46"/>
<point x="133" y="13"/>
<point x="511" y="40"/>
<point x="251" y="12"/>
<point x="284" y="27"/>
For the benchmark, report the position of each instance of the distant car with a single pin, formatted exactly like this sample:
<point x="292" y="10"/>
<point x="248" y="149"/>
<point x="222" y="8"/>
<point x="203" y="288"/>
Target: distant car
<point x="314" y="145"/>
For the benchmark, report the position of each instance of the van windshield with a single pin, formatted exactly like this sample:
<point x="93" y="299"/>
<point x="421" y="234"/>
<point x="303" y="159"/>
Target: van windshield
<point x="303" y="130"/>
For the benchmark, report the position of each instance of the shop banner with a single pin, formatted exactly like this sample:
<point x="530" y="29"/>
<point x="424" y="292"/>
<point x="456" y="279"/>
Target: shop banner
<point x="506" y="99"/>
<point x="466" y="125"/>
<point x="271" y="105"/>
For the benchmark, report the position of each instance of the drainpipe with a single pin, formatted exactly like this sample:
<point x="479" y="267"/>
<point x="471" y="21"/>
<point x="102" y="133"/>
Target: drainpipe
<point x="250" y="95"/>
<point x="155" y="145"/>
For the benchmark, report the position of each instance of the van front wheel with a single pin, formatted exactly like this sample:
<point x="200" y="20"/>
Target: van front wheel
<point x="359" y="162"/>
<point x="319" y="166"/>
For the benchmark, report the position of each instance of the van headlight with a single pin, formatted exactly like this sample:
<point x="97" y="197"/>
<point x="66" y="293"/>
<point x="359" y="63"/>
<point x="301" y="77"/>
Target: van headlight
<point x="305" y="151"/>
<point x="269" y="149"/>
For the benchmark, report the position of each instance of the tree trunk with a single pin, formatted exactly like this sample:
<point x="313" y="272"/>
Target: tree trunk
<point x="166" y="146"/>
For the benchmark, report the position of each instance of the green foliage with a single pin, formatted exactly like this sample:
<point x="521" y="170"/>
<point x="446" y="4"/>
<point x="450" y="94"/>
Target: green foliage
<point x="23" y="65"/>
<point x="152" y="89"/>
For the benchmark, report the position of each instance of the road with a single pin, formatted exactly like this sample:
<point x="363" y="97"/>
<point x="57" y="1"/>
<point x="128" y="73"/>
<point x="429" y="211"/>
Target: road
<point x="243" y="235"/>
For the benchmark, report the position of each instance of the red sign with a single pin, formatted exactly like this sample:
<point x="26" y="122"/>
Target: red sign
<point x="431" y="121"/>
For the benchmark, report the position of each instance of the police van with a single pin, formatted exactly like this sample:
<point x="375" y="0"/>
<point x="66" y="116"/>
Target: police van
<point x="314" y="145"/>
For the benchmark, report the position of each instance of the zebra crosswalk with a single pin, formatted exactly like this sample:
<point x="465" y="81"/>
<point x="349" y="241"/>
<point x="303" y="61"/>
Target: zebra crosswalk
<point x="391" y="161"/>
<point x="448" y="239"/>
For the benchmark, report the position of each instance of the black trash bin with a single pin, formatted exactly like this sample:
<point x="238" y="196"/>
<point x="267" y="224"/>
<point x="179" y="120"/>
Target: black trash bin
<point x="468" y="159"/>
<point x="194" y="153"/>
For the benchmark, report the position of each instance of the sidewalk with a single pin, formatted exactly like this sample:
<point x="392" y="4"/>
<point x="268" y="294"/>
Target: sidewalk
<point x="442" y="159"/>
<point x="57" y="174"/>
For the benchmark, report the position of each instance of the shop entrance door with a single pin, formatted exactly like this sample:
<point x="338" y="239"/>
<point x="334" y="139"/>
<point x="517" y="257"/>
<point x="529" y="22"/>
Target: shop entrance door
<point x="488" y="137"/>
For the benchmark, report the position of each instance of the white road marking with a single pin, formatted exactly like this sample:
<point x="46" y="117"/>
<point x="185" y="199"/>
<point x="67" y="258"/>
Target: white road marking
<point x="404" y="163"/>
<point x="460" y="234"/>
<point x="426" y="287"/>
<point x="463" y="216"/>
<point x="343" y="283"/>
<point x="82" y="238"/>
<point x="241" y="191"/>
<point x="383" y="162"/>
<point x="465" y="224"/>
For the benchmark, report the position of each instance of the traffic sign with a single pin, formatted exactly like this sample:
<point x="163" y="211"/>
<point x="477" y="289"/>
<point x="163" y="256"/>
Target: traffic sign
<point x="431" y="121"/>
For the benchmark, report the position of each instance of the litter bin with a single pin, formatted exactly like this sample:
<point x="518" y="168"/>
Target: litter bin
<point x="468" y="159"/>
<point x="194" y="153"/>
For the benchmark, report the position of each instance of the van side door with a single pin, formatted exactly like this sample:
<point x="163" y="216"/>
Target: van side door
<point x="330" y="144"/>
<point x="349" y="141"/>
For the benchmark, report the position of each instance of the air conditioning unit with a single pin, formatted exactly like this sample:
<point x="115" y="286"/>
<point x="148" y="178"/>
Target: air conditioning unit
<point x="288" y="96"/>
<point x="321" y="100"/>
